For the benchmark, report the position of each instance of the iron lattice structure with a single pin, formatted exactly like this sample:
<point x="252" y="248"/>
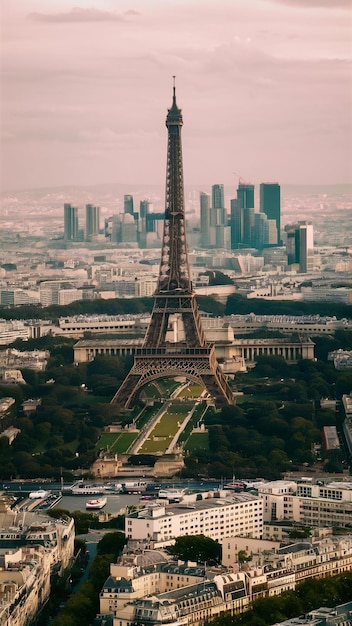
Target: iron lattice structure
<point x="193" y="357"/>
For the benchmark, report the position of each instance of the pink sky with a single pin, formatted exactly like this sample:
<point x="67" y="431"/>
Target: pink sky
<point x="264" y="85"/>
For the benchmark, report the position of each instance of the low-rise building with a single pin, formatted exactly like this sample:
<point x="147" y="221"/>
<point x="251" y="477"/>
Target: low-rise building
<point x="5" y="405"/>
<point x="233" y="354"/>
<point x="324" y="616"/>
<point x="10" y="330"/>
<point x="311" y="325"/>
<point x="244" y="549"/>
<point x="347" y="423"/>
<point x="342" y="359"/>
<point x="30" y="405"/>
<point x="30" y="359"/>
<point x="10" y="433"/>
<point x="75" y="326"/>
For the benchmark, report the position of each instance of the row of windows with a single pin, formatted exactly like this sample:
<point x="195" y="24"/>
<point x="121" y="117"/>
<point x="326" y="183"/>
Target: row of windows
<point x="229" y="511"/>
<point x="213" y="527"/>
<point x="89" y="327"/>
<point x="330" y="493"/>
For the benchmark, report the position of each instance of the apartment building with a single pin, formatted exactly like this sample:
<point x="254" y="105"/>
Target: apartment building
<point x="311" y="504"/>
<point x="147" y="587"/>
<point x="24" y="584"/>
<point x="32" y="546"/>
<point x="218" y="516"/>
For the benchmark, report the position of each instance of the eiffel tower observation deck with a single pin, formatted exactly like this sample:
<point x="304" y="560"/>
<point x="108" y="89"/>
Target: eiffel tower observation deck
<point x="189" y="355"/>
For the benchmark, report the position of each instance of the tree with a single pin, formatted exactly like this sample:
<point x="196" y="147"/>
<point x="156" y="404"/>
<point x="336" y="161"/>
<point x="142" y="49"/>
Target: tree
<point x="243" y="557"/>
<point x="333" y="467"/>
<point x="300" y="533"/>
<point x="198" y="548"/>
<point x="112" y="543"/>
<point x="100" y="570"/>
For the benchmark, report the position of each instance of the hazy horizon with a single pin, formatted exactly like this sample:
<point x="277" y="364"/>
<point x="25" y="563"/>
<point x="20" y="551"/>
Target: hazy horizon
<point x="206" y="187"/>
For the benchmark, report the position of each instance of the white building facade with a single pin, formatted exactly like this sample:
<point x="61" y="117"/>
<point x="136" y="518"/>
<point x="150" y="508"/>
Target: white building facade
<point x="215" y="517"/>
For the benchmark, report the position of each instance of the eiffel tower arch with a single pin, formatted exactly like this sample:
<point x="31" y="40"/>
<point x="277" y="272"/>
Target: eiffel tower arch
<point x="191" y="355"/>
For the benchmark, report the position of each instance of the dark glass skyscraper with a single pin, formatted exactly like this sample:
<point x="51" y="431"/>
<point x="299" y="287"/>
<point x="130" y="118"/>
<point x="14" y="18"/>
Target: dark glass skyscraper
<point x="270" y="204"/>
<point x="204" y="219"/>
<point x="128" y="204"/>
<point x="242" y="216"/>
<point x="236" y="224"/>
<point x="144" y="208"/>
<point x="92" y="221"/>
<point x="218" y="201"/>
<point x="70" y="222"/>
<point x="245" y="196"/>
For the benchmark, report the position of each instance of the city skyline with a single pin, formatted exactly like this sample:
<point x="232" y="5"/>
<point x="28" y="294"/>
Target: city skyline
<point x="265" y="88"/>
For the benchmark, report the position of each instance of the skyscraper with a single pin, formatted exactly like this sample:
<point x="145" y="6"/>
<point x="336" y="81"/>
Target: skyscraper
<point x="245" y="195"/>
<point x="305" y="244"/>
<point x="124" y="229"/>
<point x="248" y="225"/>
<point x="264" y="231"/>
<point x="144" y="208"/>
<point x="242" y="216"/>
<point x="92" y="221"/>
<point x="236" y="224"/>
<point x="70" y="222"/>
<point x="204" y="219"/>
<point x="217" y="196"/>
<point x="218" y="213"/>
<point x="300" y="246"/>
<point x="270" y="204"/>
<point x="128" y="204"/>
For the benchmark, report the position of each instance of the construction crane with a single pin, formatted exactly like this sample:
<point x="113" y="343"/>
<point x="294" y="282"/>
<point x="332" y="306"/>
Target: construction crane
<point x="242" y="181"/>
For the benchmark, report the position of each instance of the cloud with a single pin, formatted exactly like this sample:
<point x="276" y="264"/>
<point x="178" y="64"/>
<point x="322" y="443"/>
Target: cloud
<point x="316" y="4"/>
<point x="79" y="14"/>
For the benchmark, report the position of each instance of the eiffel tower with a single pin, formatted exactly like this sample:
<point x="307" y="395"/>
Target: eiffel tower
<point x="193" y="357"/>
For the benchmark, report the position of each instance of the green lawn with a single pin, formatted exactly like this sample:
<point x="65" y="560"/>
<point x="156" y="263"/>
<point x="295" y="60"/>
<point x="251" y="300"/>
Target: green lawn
<point x="166" y="428"/>
<point x="117" y="442"/>
<point x="151" y="391"/>
<point x="181" y="407"/>
<point x="197" y="441"/>
<point x="147" y="414"/>
<point x="162" y="387"/>
<point x="168" y="424"/>
<point x="124" y="441"/>
<point x="191" y="391"/>
<point x="168" y="385"/>
<point x="107" y="440"/>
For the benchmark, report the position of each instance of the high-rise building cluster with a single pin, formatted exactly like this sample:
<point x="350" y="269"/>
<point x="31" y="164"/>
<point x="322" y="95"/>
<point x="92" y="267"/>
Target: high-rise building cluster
<point x="72" y="232"/>
<point x="141" y="228"/>
<point x="239" y="229"/>
<point x="251" y="229"/>
<point x="246" y="228"/>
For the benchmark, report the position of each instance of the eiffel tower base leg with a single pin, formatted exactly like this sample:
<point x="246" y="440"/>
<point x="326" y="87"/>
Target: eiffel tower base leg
<point x="199" y="366"/>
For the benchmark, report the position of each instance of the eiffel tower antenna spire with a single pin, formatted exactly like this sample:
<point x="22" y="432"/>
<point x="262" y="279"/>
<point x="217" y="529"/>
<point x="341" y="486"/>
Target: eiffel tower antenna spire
<point x="190" y="355"/>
